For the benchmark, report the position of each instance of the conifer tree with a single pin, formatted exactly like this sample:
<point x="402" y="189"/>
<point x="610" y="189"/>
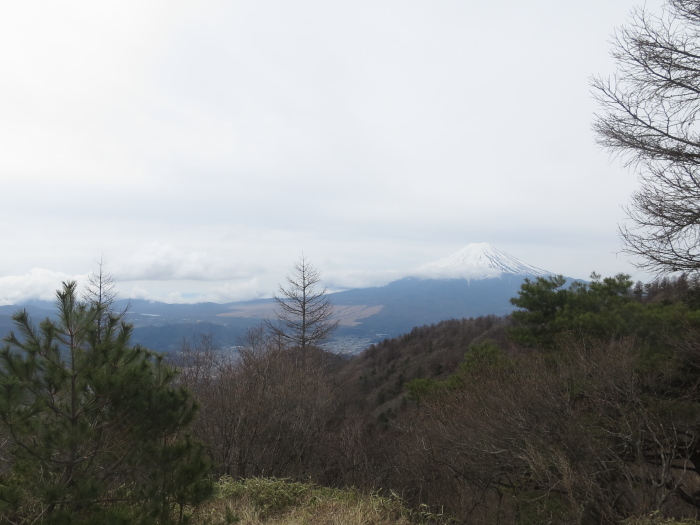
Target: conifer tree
<point x="304" y="315"/>
<point x="94" y="428"/>
<point x="101" y="292"/>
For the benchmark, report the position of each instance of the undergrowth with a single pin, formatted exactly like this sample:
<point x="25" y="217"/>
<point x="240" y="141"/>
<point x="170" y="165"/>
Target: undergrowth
<point x="258" y="501"/>
<point x="657" y="520"/>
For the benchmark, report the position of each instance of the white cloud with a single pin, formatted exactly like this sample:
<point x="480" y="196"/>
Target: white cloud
<point x="137" y="292"/>
<point x="164" y="262"/>
<point x="187" y="292"/>
<point x="361" y="279"/>
<point x="38" y="283"/>
<point x="465" y="272"/>
<point x="240" y="290"/>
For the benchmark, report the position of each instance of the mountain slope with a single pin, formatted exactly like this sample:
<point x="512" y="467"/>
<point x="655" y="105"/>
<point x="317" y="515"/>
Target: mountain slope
<point x="411" y="302"/>
<point x="479" y="279"/>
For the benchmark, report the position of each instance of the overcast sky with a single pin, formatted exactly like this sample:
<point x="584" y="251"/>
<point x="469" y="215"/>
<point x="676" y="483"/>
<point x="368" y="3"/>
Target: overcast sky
<point x="201" y="147"/>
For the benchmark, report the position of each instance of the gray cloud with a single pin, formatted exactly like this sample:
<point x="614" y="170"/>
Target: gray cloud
<point x="201" y="147"/>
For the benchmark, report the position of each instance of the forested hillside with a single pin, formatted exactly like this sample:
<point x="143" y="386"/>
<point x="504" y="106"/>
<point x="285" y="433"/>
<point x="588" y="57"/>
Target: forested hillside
<point x="580" y="408"/>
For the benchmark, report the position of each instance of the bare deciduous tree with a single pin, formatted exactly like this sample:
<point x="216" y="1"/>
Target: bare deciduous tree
<point x="304" y="316"/>
<point x="569" y="437"/>
<point x="101" y="291"/>
<point x="649" y="112"/>
<point x="263" y="412"/>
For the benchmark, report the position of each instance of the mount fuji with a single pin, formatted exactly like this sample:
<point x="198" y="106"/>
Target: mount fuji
<point x="477" y="280"/>
<point x="480" y="260"/>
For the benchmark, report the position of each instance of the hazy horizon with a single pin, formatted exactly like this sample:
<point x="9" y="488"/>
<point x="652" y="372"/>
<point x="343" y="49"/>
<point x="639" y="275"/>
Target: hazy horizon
<point x="200" y="148"/>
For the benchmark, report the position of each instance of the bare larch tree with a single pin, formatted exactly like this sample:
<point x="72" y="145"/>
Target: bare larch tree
<point x="304" y="317"/>
<point x="649" y="109"/>
<point x="101" y="291"/>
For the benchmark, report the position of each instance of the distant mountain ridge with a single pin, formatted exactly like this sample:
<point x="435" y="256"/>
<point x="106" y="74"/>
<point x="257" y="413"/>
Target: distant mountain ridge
<point x="477" y="280"/>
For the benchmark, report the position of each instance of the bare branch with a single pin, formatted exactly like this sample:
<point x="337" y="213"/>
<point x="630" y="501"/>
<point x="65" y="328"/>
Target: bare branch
<point x="304" y="316"/>
<point x="650" y="108"/>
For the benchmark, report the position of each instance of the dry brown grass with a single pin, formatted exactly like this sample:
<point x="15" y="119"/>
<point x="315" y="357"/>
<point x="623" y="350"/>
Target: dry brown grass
<point x="657" y="520"/>
<point x="260" y="501"/>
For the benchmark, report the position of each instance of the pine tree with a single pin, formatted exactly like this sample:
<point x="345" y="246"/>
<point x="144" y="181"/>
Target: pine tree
<point x="94" y="429"/>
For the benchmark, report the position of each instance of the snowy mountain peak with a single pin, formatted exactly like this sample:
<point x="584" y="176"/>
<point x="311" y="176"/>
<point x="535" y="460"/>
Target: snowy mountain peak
<point x="478" y="260"/>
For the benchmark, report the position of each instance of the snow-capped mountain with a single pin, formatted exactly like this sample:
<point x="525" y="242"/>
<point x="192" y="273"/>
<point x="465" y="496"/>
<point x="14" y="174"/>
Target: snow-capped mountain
<point x="465" y="284"/>
<point x="479" y="260"/>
